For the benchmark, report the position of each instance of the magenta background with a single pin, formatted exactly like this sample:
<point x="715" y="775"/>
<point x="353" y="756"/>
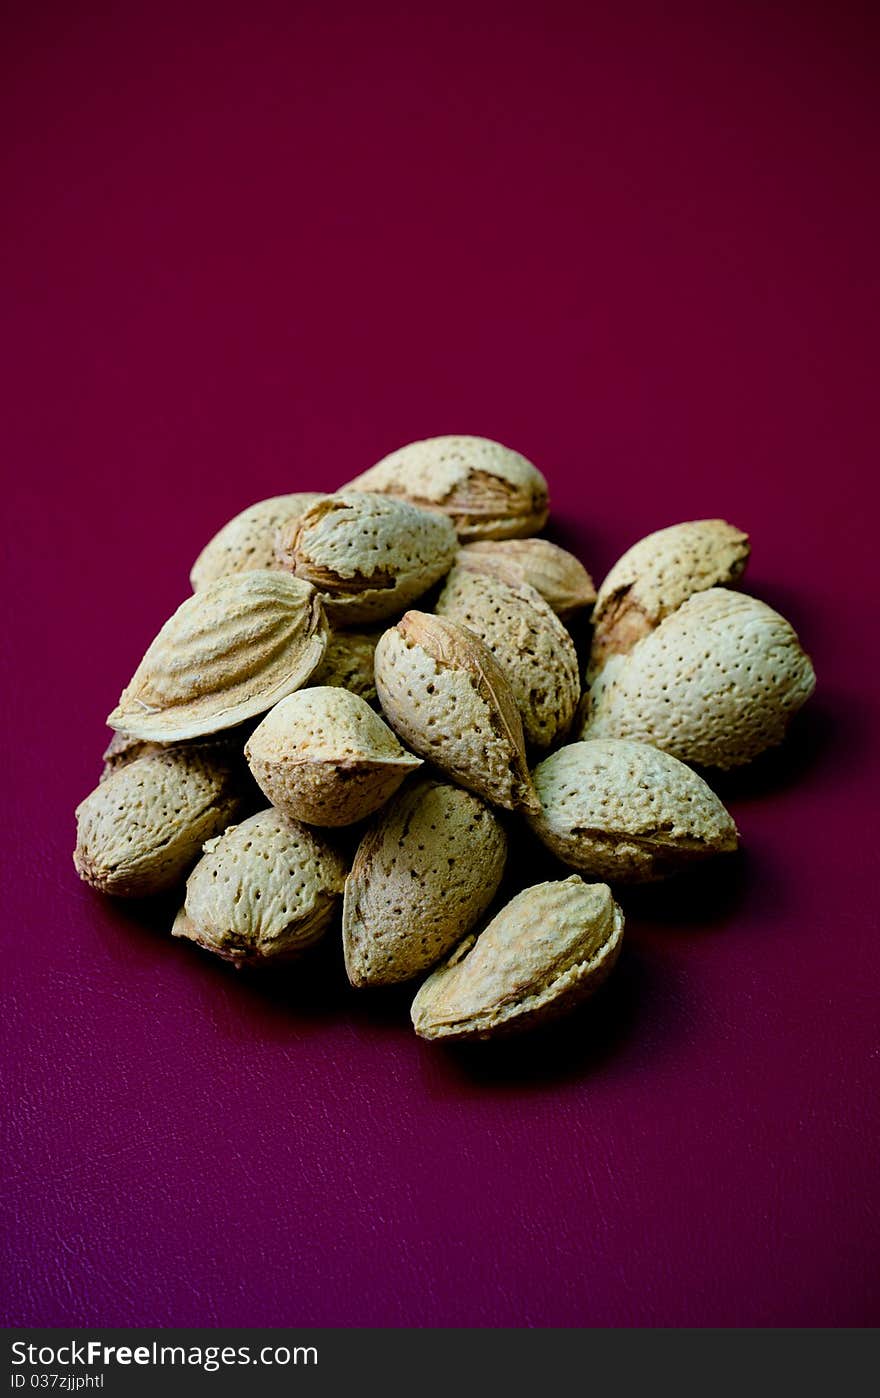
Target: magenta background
<point x="251" y="250"/>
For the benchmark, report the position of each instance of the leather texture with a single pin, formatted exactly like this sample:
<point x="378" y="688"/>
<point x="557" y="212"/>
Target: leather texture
<point x="252" y="251"/>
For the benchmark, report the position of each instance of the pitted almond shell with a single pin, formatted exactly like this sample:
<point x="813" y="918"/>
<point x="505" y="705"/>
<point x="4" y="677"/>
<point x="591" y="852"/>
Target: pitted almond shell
<point x="560" y="578"/>
<point x="487" y="490"/>
<point x="657" y="575"/>
<point x="423" y="875"/>
<point x="325" y="757"/>
<point x="715" y="684"/>
<point x="223" y="748"/>
<point x="369" y="556"/>
<point x="627" y="812"/>
<point x="544" y="953"/>
<point x="348" y="663"/>
<point x="247" y="541"/>
<point x="143" y="827"/>
<point x="227" y="654"/>
<point x="528" y="641"/>
<point x="446" y="696"/>
<point x="263" y="891"/>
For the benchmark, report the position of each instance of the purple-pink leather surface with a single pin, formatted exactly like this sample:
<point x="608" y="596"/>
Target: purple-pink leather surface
<point x="249" y="249"/>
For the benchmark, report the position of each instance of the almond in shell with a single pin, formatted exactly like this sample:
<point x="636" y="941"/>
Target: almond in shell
<point x="247" y="542"/>
<point x="423" y="875"/>
<point x="544" y="953"/>
<point x="348" y="663"/>
<point x="560" y="578"/>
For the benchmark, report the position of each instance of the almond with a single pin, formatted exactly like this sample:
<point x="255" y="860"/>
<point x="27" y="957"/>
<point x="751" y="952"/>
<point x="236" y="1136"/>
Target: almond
<point x="143" y="827"/>
<point x="325" y="757"/>
<point x="529" y="642"/>
<point x="544" y="953"/>
<point x="348" y="663"/>
<point x="423" y="874"/>
<point x="715" y="684"/>
<point x="227" y="654"/>
<point x="657" y="574"/>
<point x="627" y="812"/>
<point x="264" y="891"/>
<point x="560" y="578"/>
<point x="448" y="699"/>
<point x="487" y="490"/>
<point x="247" y="542"/>
<point x="368" y="556"/>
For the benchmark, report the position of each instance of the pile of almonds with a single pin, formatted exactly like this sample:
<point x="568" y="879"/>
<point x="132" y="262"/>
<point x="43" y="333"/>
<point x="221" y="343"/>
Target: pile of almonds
<point x="266" y="685"/>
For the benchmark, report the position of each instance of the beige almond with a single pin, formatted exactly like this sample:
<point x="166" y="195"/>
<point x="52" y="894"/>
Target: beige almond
<point x="560" y="578"/>
<point x="543" y="954"/>
<point x="348" y="663"/>
<point x="627" y="812"/>
<point x="325" y="757"/>
<point x="446" y="696"/>
<point x="228" y="653"/>
<point x="143" y="827"/>
<point x="423" y="874"/>
<point x="715" y="684"/>
<point x="247" y="542"/>
<point x="528" y="641"/>
<point x="369" y="556"/>
<point x="487" y="490"/>
<point x="657" y="575"/>
<point x="263" y="891"/>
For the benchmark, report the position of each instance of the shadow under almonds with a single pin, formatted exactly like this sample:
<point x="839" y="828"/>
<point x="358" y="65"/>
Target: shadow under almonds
<point x="702" y="899"/>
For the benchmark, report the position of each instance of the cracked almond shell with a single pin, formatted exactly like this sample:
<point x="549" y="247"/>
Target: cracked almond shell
<point x="544" y="953"/>
<point x="715" y="684"/>
<point x="560" y="578"/>
<point x="446" y="696"/>
<point x="227" y="654"/>
<point x="424" y="873"/>
<point x="143" y="827"/>
<point x="369" y="556"/>
<point x="247" y="541"/>
<point x="660" y="572"/>
<point x="528" y="641"/>
<point x="263" y="891"/>
<point x="627" y="812"/>
<point x="487" y="490"/>
<point x="325" y="757"/>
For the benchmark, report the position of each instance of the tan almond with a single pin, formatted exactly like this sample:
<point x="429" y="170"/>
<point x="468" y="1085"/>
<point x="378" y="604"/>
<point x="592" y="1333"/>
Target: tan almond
<point x="715" y="684"/>
<point x="528" y="641"/>
<point x="423" y="875"/>
<point x="325" y="757"/>
<point x="446" y="696"/>
<point x="263" y="891"/>
<point x="228" y="653"/>
<point x="657" y="575"/>
<point x="560" y="578"/>
<point x="543" y="954"/>
<point x="487" y="490"/>
<point x="247" y="541"/>
<point x="348" y="663"/>
<point x="369" y="556"/>
<point x="627" y="812"/>
<point x="141" y="829"/>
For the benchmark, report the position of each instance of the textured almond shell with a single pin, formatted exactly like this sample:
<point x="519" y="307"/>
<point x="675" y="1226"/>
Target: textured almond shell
<point x="528" y="641"/>
<point x="627" y="812"/>
<point x="368" y="556"/>
<point x="325" y="757"/>
<point x="348" y="663"/>
<point x="447" y="698"/>
<point x="423" y="875"/>
<point x="227" y="654"/>
<point x="715" y="684"/>
<point x="142" y="828"/>
<point x="265" y="890"/>
<point x="247" y="541"/>
<point x="657" y="575"/>
<point x="541" y="955"/>
<point x="487" y="490"/>
<point x="560" y="578"/>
